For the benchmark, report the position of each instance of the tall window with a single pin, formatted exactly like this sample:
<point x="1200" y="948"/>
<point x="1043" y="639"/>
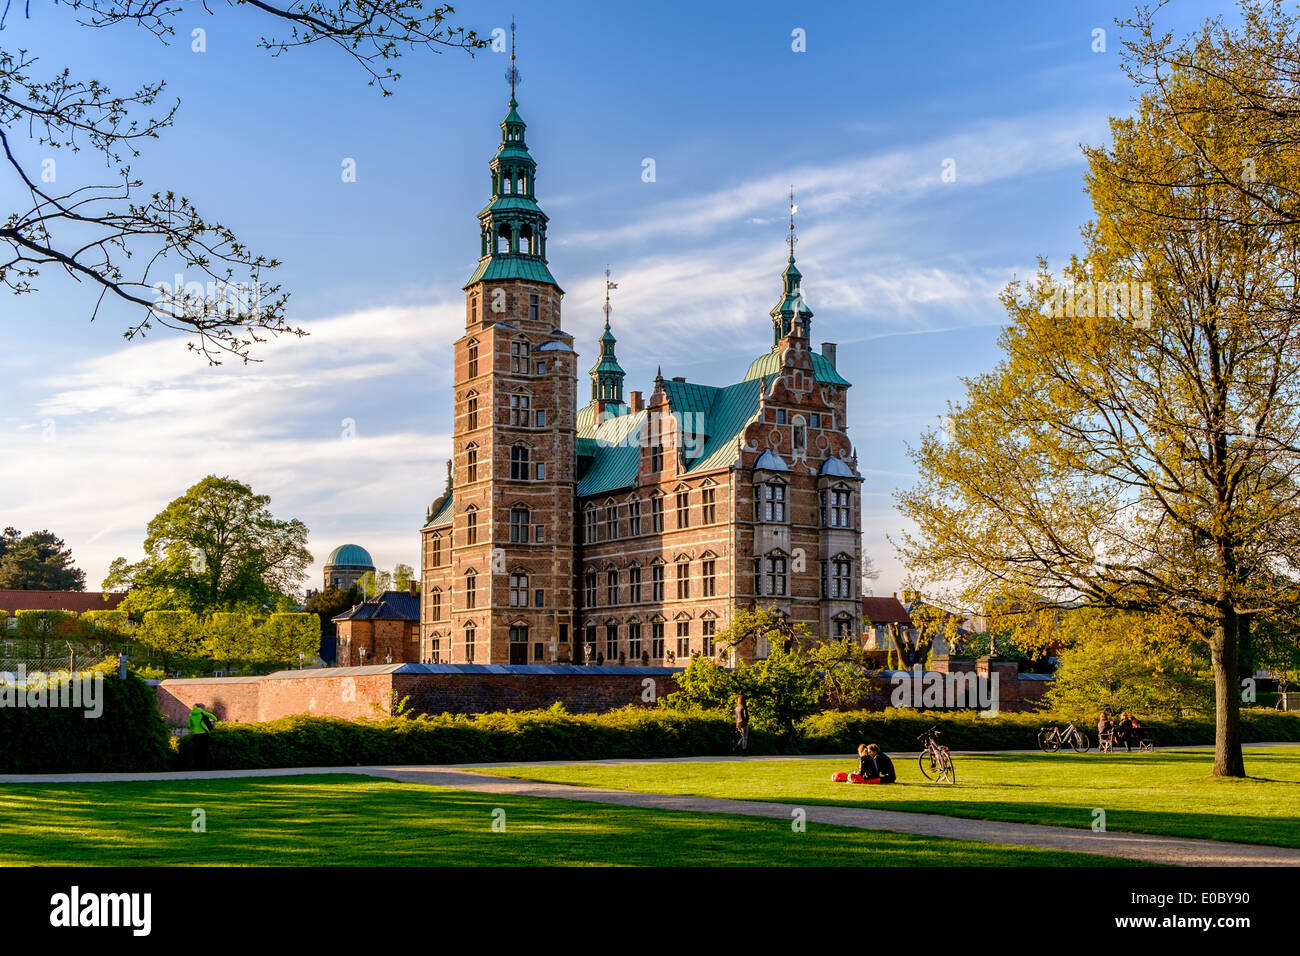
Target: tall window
<point x="657" y="458"/>
<point x="634" y="518"/>
<point x="471" y="463"/>
<point x="611" y="641"/>
<point x="634" y="585"/>
<point x="471" y="355"/>
<point x="435" y="605"/>
<point x="656" y="582"/>
<point x="683" y="639"/>
<point x="657" y="640"/>
<point x="775" y="572"/>
<point x="709" y="577"/>
<point x="611" y="586"/>
<point x="471" y="412"/>
<point x="473" y="307"/>
<point x="590" y="582"/>
<point x="519" y="589"/>
<point x="709" y="628"/>
<point x="683" y="579"/>
<point x="435" y="552"/>
<point x="519" y="525"/>
<point x="469" y="642"/>
<point x="657" y="514"/>
<point x="519" y="357"/>
<point x="519" y="410"/>
<point x="471" y="589"/>
<point x="683" y="509"/>
<point x="471" y="525"/>
<point x="611" y="522"/>
<point x="591" y="641"/>
<point x="842" y="579"/>
<point x="532" y="307"/>
<point x="519" y="462"/>
<point x="435" y="649"/>
<point x="634" y="640"/>
<point x="709" y="506"/>
<point x="773" y="502"/>
<point x="836" y="508"/>
<point x="590" y="527"/>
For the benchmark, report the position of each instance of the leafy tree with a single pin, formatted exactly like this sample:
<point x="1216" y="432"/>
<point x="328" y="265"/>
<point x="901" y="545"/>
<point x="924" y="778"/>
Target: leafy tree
<point x="38" y="561"/>
<point x="403" y="577"/>
<point x="844" y="672"/>
<point x="1116" y="661"/>
<point x="173" y="636"/>
<point x="1138" y="451"/>
<point x="230" y="636"/>
<point x="119" y="237"/>
<point x="374" y="583"/>
<point x="284" y="637"/>
<point x="330" y="603"/>
<point x="215" y="548"/>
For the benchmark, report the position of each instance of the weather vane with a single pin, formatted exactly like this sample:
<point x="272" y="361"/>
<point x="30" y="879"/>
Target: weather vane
<point x="512" y="74"/>
<point x="608" y="285"/>
<point x="794" y="208"/>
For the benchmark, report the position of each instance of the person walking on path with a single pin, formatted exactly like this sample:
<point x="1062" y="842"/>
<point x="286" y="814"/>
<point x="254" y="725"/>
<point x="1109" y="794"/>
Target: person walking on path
<point x="742" y="725"/>
<point x="201" y="723"/>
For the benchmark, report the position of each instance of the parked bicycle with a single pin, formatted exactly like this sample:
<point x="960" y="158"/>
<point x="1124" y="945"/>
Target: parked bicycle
<point x="935" y="760"/>
<point x="1053" y="738"/>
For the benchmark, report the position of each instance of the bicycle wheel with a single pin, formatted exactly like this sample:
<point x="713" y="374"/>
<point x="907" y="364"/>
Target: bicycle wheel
<point x="1080" y="742"/>
<point x="1048" y="741"/>
<point x="929" y="764"/>
<point x="947" y="772"/>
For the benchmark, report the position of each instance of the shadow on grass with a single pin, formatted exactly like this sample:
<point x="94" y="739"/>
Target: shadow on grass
<point x="322" y="821"/>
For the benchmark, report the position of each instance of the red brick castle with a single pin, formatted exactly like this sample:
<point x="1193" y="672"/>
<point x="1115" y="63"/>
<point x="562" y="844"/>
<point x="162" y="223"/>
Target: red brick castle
<point x="626" y="530"/>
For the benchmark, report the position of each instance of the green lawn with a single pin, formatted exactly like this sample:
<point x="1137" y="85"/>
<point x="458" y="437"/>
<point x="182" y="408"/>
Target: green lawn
<point x="345" y="820"/>
<point x="1167" y="793"/>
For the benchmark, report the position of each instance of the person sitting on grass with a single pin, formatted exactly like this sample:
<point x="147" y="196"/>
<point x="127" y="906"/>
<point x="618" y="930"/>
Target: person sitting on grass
<point x="1124" y="731"/>
<point x="874" y="765"/>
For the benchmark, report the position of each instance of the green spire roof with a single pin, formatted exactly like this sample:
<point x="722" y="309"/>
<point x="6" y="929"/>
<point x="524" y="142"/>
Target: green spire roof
<point x="791" y="309"/>
<point x="607" y="375"/>
<point x="512" y="227"/>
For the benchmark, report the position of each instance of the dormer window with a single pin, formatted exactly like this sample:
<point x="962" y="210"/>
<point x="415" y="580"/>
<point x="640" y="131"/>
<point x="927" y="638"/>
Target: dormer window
<point x="772" y="502"/>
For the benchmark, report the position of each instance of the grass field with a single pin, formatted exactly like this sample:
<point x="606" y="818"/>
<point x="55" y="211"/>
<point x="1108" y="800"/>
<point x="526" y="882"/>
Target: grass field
<point x="1165" y="793"/>
<point x="360" y="821"/>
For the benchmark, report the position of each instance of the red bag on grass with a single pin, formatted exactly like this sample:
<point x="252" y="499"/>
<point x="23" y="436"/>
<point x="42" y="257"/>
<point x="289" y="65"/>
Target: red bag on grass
<point x="840" y="777"/>
<point x="856" y="777"/>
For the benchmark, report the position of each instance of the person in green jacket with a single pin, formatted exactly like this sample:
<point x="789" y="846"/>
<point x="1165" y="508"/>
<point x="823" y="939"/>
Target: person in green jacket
<point x="200" y="725"/>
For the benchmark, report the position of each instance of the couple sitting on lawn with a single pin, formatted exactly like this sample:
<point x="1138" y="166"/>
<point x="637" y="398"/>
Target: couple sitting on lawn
<point x="874" y="765"/>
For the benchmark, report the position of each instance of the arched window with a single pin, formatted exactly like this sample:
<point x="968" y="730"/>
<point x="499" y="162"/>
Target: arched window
<point x="800" y="438"/>
<point x="471" y="462"/>
<point x="526" y="240"/>
<point x="469" y="641"/>
<point x="471" y="402"/>
<point x="519" y="524"/>
<point x="503" y="240"/>
<point x="435" y="604"/>
<point x="471" y="525"/>
<point x="471" y="361"/>
<point x="435" y="550"/>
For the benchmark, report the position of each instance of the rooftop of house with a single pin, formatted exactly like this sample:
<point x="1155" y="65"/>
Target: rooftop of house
<point x="389" y="606"/>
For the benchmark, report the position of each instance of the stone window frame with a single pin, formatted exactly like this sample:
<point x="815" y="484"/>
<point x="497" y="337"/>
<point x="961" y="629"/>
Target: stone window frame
<point x="520" y="531"/>
<point x="521" y="355"/>
<point x="634" y="516"/>
<point x="471" y="462"/>
<point x="682" y="564"/>
<point x="471" y="524"/>
<point x="634" y="582"/>
<point x="521" y="590"/>
<point x="708" y="574"/>
<point x="770" y="504"/>
<point x="657" y="512"/>
<point x="471" y="359"/>
<point x="708" y="502"/>
<point x="611" y="587"/>
<point x="469" y="634"/>
<point x="611" y="519"/>
<point x="520" y="406"/>
<point x="471" y="410"/>
<point x="471" y="588"/>
<point x="520" y="461"/>
<point x="590" y="524"/>
<point x="435" y="604"/>
<point x="657" y="577"/>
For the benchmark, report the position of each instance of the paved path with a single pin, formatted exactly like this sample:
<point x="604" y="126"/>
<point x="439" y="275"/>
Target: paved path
<point x="1147" y="848"/>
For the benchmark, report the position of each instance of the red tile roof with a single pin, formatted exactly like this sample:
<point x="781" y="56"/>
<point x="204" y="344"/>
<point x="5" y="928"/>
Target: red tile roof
<point x="884" y="610"/>
<point x="78" y="601"/>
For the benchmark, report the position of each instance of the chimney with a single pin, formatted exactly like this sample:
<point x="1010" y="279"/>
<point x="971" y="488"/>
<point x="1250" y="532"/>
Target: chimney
<point x="414" y="588"/>
<point x="679" y="378"/>
<point x="636" y="402"/>
<point x="828" y="352"/>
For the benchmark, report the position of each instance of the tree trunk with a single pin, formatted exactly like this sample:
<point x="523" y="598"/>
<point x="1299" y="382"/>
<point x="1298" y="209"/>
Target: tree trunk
<point x="1228" y="761"/>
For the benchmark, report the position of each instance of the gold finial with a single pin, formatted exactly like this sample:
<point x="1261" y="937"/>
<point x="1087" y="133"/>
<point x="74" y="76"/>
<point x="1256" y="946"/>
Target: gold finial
<point x="512" y="74"/>
<point x="608" y="285"/>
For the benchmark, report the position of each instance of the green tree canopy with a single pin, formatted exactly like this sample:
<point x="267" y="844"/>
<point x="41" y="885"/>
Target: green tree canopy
<point x="38" y="561"/>
<point x="215" y="548"/>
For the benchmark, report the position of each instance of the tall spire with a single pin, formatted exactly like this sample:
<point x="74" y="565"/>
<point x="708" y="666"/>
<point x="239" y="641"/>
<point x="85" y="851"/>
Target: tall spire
<point x="791" y="314"/>
<point x="512" y="227"/>
<point x="607" y="375"/>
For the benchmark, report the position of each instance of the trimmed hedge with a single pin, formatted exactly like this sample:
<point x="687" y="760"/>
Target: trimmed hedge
<point x="129" y="735"/>
<point x="634" y="733"/>
<point x="898" y="729"/>
<point x="631" y="732"/>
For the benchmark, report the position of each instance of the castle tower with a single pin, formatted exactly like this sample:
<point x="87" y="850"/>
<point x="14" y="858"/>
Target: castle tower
<point x="509" y="568"/>
<point x="607" y="375"/>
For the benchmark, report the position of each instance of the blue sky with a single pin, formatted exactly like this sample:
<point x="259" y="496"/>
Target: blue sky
<point x="901" y="268"/>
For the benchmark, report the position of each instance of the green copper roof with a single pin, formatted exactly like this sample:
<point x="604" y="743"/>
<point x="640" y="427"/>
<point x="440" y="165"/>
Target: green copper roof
<point x="770" y="364"/>
<point x="528" y="268"/>
<point x="614" y="443"/>
<point x="441" y="517"/>
<point x="350" y="556"/>
<point x="511" y="204"/>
